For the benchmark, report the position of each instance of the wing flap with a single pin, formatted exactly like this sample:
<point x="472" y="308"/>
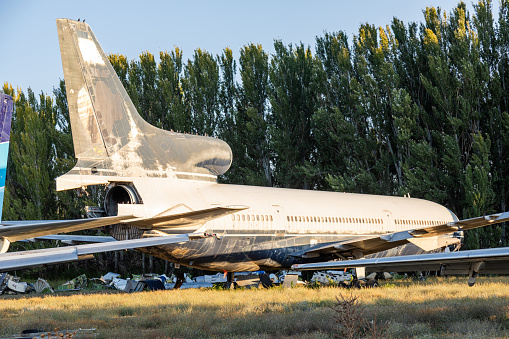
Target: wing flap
<point x="193" y="218"/>
<point x="372" y="244"/>
<point x="24" y="259"/>
<point x="461" y="225"/>
<point x="20" y="230"/>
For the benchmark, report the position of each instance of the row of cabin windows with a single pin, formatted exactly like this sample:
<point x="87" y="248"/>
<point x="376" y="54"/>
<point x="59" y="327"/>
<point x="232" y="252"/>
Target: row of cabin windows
<point x="251" y="217"/>
<point x="258" y="217"/>
<point x="419" y="222"/>
<point x="363" y="220"/>
<point x="335" y="219"/>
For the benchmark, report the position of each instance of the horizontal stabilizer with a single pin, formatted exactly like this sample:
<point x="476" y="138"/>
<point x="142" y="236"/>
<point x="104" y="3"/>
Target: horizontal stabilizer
<point x="193" y="218"/>
<point x="20" y="230"/>
<point x="19" y="260"/>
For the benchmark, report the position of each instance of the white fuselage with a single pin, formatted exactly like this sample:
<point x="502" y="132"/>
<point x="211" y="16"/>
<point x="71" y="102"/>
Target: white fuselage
<point x="278" y="221"/>
<point x="291" y="211"/>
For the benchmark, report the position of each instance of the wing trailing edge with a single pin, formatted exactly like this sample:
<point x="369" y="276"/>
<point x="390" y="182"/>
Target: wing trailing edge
<point x="24" y="259"/>
<point x="20" y="230"/>
<point x="471" y="263"/>
<point x="362" y="246"/>
<point x="193" y="218"/>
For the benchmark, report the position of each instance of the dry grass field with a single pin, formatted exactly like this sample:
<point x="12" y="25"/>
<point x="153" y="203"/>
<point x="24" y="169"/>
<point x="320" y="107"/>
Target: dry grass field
<point x="439" y="307"/>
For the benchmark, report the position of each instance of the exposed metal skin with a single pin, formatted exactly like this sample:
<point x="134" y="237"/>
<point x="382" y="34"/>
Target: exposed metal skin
<point x="471" y="263"/>
<point x="24" y="259"/>
<point x="168" y="181"/>
<point x="110" y="138"/>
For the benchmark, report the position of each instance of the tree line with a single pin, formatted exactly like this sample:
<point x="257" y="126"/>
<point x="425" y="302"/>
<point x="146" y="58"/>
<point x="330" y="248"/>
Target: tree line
<point x="417" y="108"/>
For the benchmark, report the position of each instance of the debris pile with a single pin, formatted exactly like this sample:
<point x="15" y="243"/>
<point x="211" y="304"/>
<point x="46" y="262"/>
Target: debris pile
<point x="10" y="284"/>
<point x="334" y="277"/>
<point x="75" y="284"/>
<point x="151" y="281"/>
<point x="57" y="334"/>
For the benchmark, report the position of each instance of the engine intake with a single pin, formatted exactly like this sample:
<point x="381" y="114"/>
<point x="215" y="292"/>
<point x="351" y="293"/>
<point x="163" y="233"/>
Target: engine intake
<point x="119" y="194"/>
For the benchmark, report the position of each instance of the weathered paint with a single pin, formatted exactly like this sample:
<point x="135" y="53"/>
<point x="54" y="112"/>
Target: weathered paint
<point x="173" y="173"/>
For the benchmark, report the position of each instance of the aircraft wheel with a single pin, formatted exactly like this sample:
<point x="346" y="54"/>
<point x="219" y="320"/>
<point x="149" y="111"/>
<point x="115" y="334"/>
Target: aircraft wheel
<point x="372" y="283"/>
<point x="180" y="280"/>
<point x="357" y="283"/>
<point x="342" y="285"/>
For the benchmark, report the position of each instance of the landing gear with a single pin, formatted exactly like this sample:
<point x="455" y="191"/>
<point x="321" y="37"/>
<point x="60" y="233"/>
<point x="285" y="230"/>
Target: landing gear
<point x="180" y="280"/>
<point x="358" y="283"/>
<point x="230" y="281"/>
<point x="372" y="283"/>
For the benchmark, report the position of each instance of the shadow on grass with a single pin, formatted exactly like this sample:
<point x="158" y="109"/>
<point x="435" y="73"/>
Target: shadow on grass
<point x="208" y="316"/>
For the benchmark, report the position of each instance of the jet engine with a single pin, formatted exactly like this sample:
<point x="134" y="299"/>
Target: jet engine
<point x="121" y="193"/>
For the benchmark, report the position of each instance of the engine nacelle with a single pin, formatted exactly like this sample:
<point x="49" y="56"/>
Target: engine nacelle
<point x="119" y="193"/>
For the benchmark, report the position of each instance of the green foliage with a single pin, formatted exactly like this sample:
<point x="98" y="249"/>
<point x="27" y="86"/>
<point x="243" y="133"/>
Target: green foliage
<point x="40" y="150"/>
<point x="294" y="90"/>
<point x="417" y="108"/>
<point x="201" y="92"/>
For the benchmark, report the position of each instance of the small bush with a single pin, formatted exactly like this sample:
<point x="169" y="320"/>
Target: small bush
<point x="350" y="315"/>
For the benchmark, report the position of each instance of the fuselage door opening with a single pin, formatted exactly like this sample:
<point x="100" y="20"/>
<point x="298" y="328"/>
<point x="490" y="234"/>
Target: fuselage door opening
<point x="278" y="219"/>
<point x="388" y="222"/>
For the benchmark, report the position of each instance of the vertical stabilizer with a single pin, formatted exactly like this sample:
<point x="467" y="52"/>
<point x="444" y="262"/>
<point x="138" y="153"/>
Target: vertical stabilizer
<point x="6" y="106"/>
<point x="110" y="137"/>
<point x="96" y="98"/>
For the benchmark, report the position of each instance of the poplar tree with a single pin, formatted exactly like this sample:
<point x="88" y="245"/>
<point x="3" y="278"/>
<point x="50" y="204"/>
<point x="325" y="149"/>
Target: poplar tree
<point x="253" y="115"/>
<point x="294" y="91"/>
<point x="175" y="114"/>
<point x="201" y="90"/>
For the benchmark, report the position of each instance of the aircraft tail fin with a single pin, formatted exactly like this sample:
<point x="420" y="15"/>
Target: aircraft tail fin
<point x="98" y="103"/>
<point x="110" y="138"/>
<point x="6" y="107"/>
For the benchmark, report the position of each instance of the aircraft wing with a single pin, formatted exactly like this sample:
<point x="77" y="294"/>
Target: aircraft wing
<point x="73" y="239"/>
<point x="38" y="229"/>
<point x="193" y="218"/>
<point x="473" y="262"/>
<point x="24" y="259"/>
<point x="20" y="230"/>
<point x="358" y="247"/>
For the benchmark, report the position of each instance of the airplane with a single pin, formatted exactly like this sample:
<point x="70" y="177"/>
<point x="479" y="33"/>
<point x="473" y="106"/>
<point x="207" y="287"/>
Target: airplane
<point x="18" y="230"/>
<point x="471" y="263"/>
<point x="162" y="183"/>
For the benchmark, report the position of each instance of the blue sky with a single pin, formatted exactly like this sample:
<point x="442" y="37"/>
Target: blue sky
<point x="30" y="56"/>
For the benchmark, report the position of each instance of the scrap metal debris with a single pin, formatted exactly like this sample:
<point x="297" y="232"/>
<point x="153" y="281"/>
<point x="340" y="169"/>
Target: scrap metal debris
<point x="75" y="284"/>
<point x="56" y="334"/>
<point x="10" y="284"/>
<point x="42" y="285"/>
<point x="151" y="281"/>
<point x="331" y="277"/>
